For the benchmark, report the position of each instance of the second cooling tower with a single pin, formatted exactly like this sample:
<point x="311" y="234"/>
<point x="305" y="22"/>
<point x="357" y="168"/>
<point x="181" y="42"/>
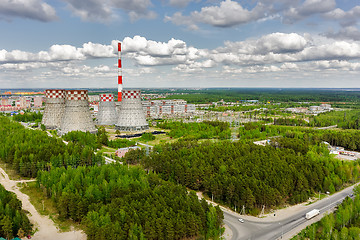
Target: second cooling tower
<point x="131" y="113"/>
<point x="107" y="110"/>
<point x="54" y="108"/>
<point x="76" y="115"/>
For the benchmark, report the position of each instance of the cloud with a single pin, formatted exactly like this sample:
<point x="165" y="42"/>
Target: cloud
<point x="30" y="9"/>
<point x="105" y="10"/>
<point x="346" y="18"/>
<point x="274" y="52"/>
<point x="151" y="53"/>
<point x="91" y="10"/>
<point x="180" y="3"/>
<point x="229" y="13"/>
<point x="178" y="19"/>
<point x="308" y="8"/>
<point x="136" y="8"/>
<point x="350" y="32"/>
<point x="59" y="53"/>
<point x="283" y="48"/>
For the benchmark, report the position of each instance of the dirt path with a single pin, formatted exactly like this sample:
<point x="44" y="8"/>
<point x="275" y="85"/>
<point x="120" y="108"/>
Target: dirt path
<point x="45" y="226"/>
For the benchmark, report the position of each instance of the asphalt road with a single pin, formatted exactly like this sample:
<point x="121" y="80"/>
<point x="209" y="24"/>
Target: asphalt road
<point x="269" y="230"/>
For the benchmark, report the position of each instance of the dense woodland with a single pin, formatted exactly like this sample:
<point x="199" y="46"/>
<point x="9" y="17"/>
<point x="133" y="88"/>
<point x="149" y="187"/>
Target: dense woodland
<point x="117" y="202"/>
<point x="344" y="224"/>
<point x="30" y="150"/>
<point x="349" y="119"/>
<point x="203" y="130"/>
<point x="13" y="220"/>
<point x="349" y="139"/>
<point x="265" y="95"/>
<point x="236" y="173"/>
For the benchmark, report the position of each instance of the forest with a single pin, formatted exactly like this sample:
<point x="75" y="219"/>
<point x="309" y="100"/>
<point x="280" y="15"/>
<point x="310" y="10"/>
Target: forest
<point x="349" y="119"/>
<point x="239" y="173"/>
<point x="349" y="139"/>
<point x="265" y="95"/>
<point x="30" y="150"/>
<point x="13" y="220"/>
<point x="202" y="130"/>
<point x="342" y="224"/>
<point x="117" y="202"/>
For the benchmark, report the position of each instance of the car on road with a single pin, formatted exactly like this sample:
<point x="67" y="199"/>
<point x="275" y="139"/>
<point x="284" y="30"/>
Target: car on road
<point x="241" y="220"/>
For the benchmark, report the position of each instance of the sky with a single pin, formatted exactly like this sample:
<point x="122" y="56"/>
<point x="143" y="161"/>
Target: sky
<point x="180" y="43"/>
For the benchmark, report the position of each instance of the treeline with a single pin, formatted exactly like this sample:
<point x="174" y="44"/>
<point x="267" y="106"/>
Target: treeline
<point x="28" y="117"/>
<point x="349" y="119"/>
<point x="28" y="151"/>
<point x="290" y="122"/>
<point x="265" y="95"/>
<point x="269" y="107"/>
<point x="344" y="223"/>
<point x="13" y="220"/>
<point x="349" y="139"/>
<point x="117" y="202"/>
<point x="202" y="130"/>
<point x="239" y="174"/>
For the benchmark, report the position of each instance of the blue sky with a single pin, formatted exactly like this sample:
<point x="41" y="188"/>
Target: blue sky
<point x="180" y="43"/>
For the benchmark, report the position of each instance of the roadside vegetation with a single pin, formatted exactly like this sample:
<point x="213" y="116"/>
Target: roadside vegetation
<point x="237" y="174"/>
<point x="13" y="220"/>
<point x="344" y="223"/>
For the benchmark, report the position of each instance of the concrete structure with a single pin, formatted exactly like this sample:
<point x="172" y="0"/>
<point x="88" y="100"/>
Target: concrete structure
<point x="159" y="108"/>
<point x="107" y="110"/>
<point x="54" y="108"/>
<point x="76" y="115"/>
<point x="131" y="113"/>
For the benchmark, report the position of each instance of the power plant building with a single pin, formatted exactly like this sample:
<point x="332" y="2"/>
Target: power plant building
<point x="131" y="113"/>
<point x="159" y="108"/>
<point x="76" y="115"/>
<point x="106" y="114"/>
<point x="54" y="108"/>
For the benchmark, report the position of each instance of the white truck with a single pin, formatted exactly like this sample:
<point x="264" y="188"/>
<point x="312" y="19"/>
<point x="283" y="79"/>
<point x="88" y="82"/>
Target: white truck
<point x="312" y="214"/>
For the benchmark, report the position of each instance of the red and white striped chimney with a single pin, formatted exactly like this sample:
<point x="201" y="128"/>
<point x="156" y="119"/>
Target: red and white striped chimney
<point x="119" y="74"/>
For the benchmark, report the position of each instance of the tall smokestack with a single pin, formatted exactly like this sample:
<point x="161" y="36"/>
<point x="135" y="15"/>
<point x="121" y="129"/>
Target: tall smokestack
<point x="119" y="73"/>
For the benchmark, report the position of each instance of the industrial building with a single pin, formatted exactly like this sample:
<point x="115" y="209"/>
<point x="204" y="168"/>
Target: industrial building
<point x="76" y="115"/>
<point x="106" y="114"/>
<point x="54" y="108"/>
<point x="131" y="113"/>
<point x="160" y="108"/>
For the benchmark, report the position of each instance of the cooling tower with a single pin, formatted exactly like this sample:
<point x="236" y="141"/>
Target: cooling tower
<point x="77" y="115"/>
<point x="54" y="108"/>
<point x="107" y="110"/>
<point x="131" y="114"/>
